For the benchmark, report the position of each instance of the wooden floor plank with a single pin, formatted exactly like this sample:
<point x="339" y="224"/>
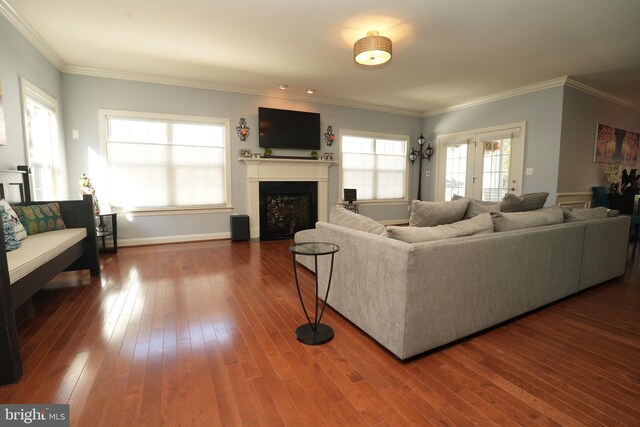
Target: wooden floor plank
<point x="203" y="334"/>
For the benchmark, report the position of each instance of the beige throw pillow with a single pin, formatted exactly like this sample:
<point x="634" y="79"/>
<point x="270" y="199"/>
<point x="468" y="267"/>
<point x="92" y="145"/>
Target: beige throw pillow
<point x="526" y="202"/>
<point x="480" y="224"/>
<point x="577" y="215"/>
<point x="508" y="221"/>
<point x="345" y="218"/>
<point x="429" y="214"/>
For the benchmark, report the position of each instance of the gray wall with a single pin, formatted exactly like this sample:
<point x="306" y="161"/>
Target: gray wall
<point x="542" y="112"/>
<point x="581" y="114"/>
<point x="18" y="58"/>
<point x="84" y="95"/>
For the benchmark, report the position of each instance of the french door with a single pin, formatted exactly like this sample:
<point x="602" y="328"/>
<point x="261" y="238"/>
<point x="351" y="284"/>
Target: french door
<point x="482" y="164"/>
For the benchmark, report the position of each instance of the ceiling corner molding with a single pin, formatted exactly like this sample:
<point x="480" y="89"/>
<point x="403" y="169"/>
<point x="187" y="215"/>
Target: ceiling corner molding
<point x="604" y="95"/>
<point x="23" y="27"/>
<point x="548" y="84"/>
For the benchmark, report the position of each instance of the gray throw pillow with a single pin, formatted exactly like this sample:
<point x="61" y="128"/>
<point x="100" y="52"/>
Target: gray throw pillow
<point x="345" y="218"/>
<point x="476" y="207"/>
<point x="526" y="202"/>
<point x="428" y="214"/>
<point x="480" y="224"/>
<point x="577" y="215"/>
<point x="508" y="221"/>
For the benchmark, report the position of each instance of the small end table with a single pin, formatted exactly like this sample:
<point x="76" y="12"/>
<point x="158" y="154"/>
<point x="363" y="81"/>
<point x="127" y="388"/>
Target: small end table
<point x="107" y="232"/>
<point x="314" y="333"/>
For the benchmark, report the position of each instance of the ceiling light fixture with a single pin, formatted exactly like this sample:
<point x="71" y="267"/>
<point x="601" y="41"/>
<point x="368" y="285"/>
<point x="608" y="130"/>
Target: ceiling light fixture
<point x="282" y="86"/>
<point x="372" y="50"/>
<point x="311" y="91"/>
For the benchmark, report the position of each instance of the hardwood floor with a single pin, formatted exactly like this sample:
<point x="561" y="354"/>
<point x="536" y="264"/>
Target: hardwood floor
<point x="202" y="334"/>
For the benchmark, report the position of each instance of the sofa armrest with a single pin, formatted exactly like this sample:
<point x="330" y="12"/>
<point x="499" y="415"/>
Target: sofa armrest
<point x="369" y="290"/>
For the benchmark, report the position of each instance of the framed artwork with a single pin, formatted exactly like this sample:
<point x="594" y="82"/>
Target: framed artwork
<point x="3" y="129"/>
<point x="615" y="146"/>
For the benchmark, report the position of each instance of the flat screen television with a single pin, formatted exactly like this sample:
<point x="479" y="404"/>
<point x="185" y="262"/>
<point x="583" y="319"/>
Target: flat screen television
<point x="288" y="129"/>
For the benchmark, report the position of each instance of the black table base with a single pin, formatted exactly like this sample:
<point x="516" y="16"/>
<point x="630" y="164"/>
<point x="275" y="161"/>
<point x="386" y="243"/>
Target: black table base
<point x="306" y="335"/>
<point x="314" y="332"/>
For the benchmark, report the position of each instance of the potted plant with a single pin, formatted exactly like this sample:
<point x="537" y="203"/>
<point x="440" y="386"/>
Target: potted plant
<point x="314" y="154"/>
<point x="268" y="152"/>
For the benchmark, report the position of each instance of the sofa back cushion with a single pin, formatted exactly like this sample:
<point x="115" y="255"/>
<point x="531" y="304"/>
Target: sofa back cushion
<point x="526" y="202"/>
<point x="429" y="214"/>
<point x="40" y="218"/>
<point x="479" y="224"/>
<point x="346" y="218"/>
<point x="508" y="221"/>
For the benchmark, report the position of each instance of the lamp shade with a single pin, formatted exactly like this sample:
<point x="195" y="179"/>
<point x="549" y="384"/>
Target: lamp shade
<point x="372" y="50"/>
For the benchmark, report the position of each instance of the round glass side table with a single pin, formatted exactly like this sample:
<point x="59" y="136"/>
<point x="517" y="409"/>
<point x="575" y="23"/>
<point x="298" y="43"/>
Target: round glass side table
<point x="314" y="333"/>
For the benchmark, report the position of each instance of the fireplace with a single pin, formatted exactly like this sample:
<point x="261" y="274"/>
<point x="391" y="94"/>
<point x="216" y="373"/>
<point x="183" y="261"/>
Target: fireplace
<point x="285" y="170"/>
<point x="287" y="207"/>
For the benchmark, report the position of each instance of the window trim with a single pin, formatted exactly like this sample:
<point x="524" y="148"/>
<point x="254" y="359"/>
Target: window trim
<point x="28" y="89"/>
<point x="104" y="114"/>
<point x="376" y="135"/>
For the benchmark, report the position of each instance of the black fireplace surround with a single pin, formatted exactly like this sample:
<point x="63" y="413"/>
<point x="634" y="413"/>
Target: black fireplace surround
<point x="287" y="207"/>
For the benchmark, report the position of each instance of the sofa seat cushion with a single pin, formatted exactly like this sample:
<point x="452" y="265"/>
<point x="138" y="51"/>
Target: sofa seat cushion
<point x="345" y="218"/>
<point x="41" y="248"/>
<point x="429" y="214"/>
<point x="480" y="224"/>
<point x="509" y="221"/>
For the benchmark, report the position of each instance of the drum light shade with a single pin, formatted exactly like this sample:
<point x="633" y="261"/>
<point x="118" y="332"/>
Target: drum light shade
<point x="372" y="50"/>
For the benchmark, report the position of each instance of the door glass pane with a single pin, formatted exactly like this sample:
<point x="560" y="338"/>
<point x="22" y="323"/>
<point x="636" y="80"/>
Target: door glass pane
<point x="455" y="170"/>
<point x="495" y="173"/>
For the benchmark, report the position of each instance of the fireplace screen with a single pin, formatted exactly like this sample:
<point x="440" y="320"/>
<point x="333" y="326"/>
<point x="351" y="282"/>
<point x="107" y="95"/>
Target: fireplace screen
<point x="286" y="208"/>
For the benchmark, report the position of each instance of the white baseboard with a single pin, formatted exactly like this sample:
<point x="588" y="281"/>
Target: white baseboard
<point x="173" y="239"/>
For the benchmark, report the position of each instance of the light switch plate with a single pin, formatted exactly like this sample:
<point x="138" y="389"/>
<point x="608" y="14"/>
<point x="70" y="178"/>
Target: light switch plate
<point x="529" y="171"/>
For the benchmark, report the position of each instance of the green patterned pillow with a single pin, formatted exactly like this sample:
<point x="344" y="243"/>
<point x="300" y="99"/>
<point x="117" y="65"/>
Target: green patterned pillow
<point x="40" y="218"/>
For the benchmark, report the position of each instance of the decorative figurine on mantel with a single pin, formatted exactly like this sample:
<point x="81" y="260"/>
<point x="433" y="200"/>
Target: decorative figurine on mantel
<point x="87" y="188"/>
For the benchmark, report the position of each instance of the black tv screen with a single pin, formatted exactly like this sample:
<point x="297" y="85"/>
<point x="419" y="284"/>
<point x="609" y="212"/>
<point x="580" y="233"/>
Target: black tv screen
<point x="288" y="129"/>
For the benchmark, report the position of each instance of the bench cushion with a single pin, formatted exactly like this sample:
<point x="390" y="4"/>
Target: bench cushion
<point x="40" y="248"/>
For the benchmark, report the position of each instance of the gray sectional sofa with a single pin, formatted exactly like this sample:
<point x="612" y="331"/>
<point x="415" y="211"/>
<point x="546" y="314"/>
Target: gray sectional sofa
<point x="413" y="297"/>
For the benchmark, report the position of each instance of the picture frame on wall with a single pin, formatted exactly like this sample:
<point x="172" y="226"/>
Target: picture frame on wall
<point x="614" y="145"/>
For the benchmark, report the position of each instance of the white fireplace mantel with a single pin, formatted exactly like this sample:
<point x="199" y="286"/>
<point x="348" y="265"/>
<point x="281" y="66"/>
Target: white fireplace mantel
<point x="274" y="169"/>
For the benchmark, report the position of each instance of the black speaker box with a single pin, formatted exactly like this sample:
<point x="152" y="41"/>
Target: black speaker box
<point x="239" y="227"/>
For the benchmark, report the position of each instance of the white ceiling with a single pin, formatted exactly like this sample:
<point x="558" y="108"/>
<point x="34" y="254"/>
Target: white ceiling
<point x="445" y="52"/>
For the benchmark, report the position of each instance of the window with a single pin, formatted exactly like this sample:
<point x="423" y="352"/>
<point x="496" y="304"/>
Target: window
<point x="40" y="113"/>
<point x="166" y="162"/>
<point x="481" y="164"/>
<point x="375" y="165"/>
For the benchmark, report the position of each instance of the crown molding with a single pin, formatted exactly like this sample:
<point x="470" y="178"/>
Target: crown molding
<point x="23" y="27"/>
<point x="604" y="95"/>
<point x="500" y="96"/>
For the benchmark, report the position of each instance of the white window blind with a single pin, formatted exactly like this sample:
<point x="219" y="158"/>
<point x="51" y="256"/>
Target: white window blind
<point x="164" y="163"/>
<point x="375" y="166"/>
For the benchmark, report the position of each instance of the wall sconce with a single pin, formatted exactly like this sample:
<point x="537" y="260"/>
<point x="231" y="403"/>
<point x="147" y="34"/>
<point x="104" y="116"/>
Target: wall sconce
<point x="421" y="153"/>
<point x="329" y="137"/>
<point x="243" y="129"/>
